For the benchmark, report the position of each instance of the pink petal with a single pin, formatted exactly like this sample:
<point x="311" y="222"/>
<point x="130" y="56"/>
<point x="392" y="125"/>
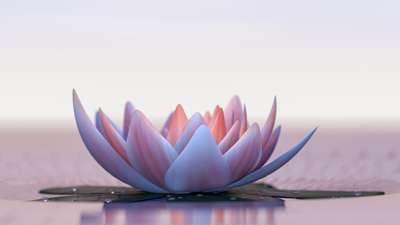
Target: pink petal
<point x="233" y="111"/>
<point x="113" y="137"/>
<point x="245" y="153"/>
<point x="243" y="122"/>
<point x="200" y="166"/>
<point x="151" y="153"/>
<point x="207" y="117"/>
<point x="269" y="125"/>
<point x="268" y="149"/>
<point x="178" y="122"/>
<point x="230" y="138"/>
<point x="218" y="129"/>
<point x="105" y="155"/>
<point x="129" y="109"/>
<point x="191" y="126"/>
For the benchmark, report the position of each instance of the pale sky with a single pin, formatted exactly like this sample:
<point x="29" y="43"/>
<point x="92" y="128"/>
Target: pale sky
<point x="325" y="60"/>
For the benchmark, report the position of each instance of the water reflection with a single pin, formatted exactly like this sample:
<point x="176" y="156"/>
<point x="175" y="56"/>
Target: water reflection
<point x="217" y="213"/>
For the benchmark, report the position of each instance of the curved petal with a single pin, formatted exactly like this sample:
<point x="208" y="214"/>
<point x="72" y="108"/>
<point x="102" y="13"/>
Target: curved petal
<point x="191" y="126"/>
<point x="243" y="155"/>
<point x="200" y="166"/>
<point x="113" y="137"/>
<point x="99" y="126"/>
<point x="269" y="147"/>
<point x="152" y="154"/>
<point x="230" y="138"/>
<point x="274" y="165"/>
<point x="164" y="129"/>
<point x="178" y="122"/>
<point x="103" y="153"/>
<point x="207" y="117"/>
<point x="243" y="122"/>
<point x="129" y="109"/>
<point x="233" y="111"/>
<point x="269" y="124"/>
<point x="218" y="129"/>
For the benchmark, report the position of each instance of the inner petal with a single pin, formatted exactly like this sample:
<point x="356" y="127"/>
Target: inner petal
<point x="218" y="129"/>
<point x="178" y="122"/>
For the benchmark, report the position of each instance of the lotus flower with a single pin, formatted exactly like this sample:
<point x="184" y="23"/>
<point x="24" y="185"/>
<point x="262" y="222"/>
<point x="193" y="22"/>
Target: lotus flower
<point x="203" y="153"/>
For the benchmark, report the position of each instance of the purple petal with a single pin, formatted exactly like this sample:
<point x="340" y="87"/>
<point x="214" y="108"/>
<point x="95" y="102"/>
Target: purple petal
<point x="230" y="138"/>
<point x="243" y="155"/>
<point x="152" y="154"/>
<point x="191" y="126"/>
<point x="269" y="125"/>
<point x="164" y="129"/>
<point x="268" y="149"/>
<point x="104" y="154"/>
<point x="274" y="165"/>
<point x="233" y="111"/>
<point x="200" y="166"/>
<point x="129" y="109"/>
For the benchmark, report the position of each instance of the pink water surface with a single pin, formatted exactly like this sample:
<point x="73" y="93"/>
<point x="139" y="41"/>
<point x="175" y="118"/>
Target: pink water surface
<point x="356" y="157"/>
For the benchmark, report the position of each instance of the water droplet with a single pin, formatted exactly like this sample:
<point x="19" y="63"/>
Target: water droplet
<point x="45" y="200"/>
<point x="112" y="192"/>
<point x="180" y="197"/>
<point x="107" y="201"/>
<point x="171" y="199"/>
<point x="199" y="195"/>
<point x="232" y="198"/>
<point x="169" y="196"/>
<point x="357" y="193"/>
<point x="74" y="189"/>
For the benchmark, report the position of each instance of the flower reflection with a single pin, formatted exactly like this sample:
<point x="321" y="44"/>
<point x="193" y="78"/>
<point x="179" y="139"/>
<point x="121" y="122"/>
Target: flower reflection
<point x="185" y="213"/>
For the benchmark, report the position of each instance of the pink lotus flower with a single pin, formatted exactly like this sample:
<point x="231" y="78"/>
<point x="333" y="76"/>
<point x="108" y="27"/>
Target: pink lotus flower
<point x="210" y="152"/>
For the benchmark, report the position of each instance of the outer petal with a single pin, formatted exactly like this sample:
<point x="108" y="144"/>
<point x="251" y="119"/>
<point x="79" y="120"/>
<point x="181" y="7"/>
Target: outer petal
<point x="244" y="154"/>
<point x="129" y="109"/>
<point x="191" y="126"/>
<point x="230" y="138"/>
<point x="269" y="147"/>
<point x="269" y="124"/>
<point x="103" y="153"/>
<point x="274" y="165"/>
<point x="200" y="166"/>
<point x="233" y="111"/>
<point x="152" y="154"/>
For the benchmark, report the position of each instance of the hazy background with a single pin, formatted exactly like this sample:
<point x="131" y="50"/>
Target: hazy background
<point x="325" y="60"/>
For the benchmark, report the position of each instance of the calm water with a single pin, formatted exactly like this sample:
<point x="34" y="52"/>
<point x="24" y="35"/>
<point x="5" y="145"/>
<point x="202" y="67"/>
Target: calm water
<point x="338" y="158"/>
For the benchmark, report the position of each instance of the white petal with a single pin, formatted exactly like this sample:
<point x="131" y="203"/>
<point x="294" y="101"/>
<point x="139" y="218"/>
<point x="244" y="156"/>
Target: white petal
<point x="191" y="126"/>
<point x="199" y="167"/>
<point x="244" y="155"/>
